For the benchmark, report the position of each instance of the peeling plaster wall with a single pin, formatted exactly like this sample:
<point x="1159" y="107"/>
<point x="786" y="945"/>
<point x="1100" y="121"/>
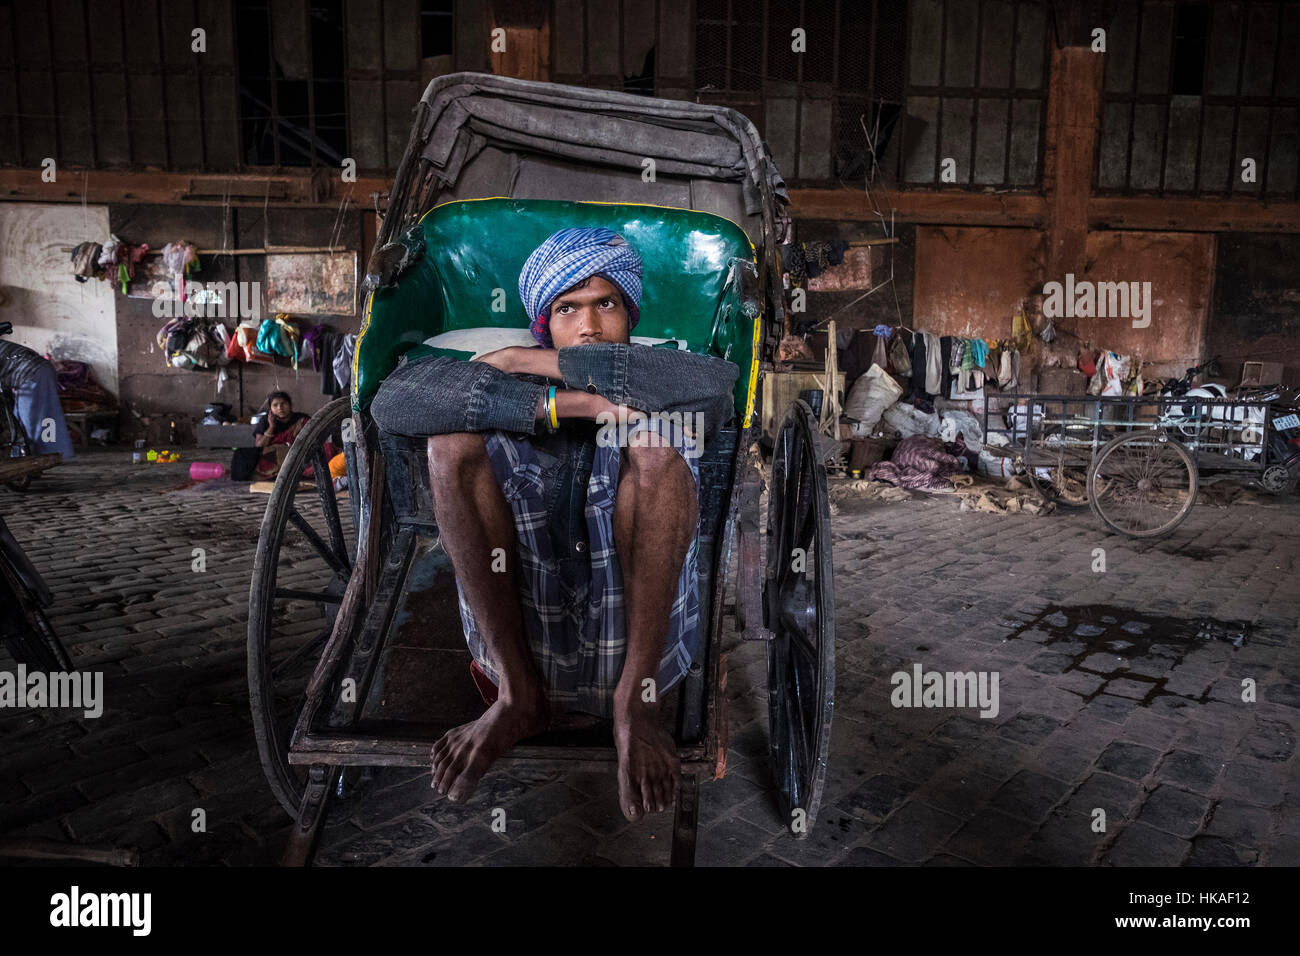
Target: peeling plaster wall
<point x="52" y="312"/>
<point x="1180" y="268"/>
<point x="970" y="280"/>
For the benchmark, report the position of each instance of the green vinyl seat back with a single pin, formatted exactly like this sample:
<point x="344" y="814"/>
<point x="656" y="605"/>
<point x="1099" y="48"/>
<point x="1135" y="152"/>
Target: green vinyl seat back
<point x="467" y="256"/>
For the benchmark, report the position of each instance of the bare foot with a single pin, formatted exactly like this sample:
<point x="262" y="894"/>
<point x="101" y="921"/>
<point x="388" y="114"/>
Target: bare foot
<point x="464" y="753"/>
<point x="648" y="768"/>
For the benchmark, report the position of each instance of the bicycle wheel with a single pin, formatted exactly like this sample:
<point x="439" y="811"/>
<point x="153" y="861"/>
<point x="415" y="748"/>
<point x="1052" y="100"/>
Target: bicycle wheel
<point x="1142" y="485"/>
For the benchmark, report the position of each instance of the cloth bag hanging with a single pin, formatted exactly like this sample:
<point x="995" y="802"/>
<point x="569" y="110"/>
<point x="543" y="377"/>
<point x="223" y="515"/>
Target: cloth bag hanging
<point x="245" y="344"/>
<point x="899" y="357"/>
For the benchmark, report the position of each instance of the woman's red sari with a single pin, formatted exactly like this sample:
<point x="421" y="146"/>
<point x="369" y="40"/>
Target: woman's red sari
<point x="277" y="446"/>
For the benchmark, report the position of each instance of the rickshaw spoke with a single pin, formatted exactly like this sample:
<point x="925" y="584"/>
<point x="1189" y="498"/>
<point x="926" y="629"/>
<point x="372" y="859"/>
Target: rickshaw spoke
<point x="303" y="653"/>
<point x="329" y="505"/>
<point x="1143" y="485"/>
<point x="308" y="532"/>
<point x="804" y="647"/>
<point x="806" y="510"/>
<point x="798" y="725"/>
<point x="792" y="502"/>
<point x="296" y="594"/>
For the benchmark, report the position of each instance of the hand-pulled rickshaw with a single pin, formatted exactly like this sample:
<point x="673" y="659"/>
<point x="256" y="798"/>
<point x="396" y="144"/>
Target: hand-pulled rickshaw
<point x="356" y="656"/>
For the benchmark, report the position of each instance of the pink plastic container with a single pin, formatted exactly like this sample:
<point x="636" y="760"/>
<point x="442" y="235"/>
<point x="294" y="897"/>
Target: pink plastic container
<point x="206" y="470"/>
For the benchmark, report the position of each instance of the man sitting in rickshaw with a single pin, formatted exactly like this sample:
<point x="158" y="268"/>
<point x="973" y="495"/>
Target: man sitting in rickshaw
<point x="575" y="551"/>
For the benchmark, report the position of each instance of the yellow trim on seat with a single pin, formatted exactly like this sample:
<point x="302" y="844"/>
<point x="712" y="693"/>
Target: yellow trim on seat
<point x="753" y="371"/>
<point x="451" y="202"/>
<point x="356" y="349"/>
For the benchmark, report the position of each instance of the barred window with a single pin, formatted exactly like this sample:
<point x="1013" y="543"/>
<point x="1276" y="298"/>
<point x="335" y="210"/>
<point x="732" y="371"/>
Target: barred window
<point x="1203" y="99"/>
<point x="976" y="102"/>
<point x="817" y="77"/>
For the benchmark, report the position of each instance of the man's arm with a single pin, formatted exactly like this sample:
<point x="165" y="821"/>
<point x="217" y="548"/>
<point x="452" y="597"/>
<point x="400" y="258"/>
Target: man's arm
<point x="641" y="377"/>
<point x="440" y="395"/>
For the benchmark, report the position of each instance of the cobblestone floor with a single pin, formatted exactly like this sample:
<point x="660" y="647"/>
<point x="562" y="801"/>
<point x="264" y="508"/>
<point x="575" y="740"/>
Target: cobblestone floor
<point x="1111" y="697"/>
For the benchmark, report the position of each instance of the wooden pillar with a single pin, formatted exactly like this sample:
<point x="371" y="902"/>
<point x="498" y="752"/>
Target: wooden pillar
<point x="527" y="26"/>
<point x="1073" y="118"/>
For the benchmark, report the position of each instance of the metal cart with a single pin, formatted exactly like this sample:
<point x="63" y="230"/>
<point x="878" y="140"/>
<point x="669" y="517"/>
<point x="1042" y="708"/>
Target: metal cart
<point x="1136" y="461"/>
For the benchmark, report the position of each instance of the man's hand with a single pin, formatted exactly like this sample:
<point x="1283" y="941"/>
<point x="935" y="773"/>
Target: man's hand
<point x="518" y="360"/>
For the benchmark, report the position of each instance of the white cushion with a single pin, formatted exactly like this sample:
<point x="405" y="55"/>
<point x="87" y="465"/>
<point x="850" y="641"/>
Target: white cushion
<point x="488" y="339"/>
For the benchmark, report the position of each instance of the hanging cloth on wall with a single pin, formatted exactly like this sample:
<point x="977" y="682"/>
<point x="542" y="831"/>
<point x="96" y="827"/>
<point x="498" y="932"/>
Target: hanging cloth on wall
<point x="820" y="256"/>
<point x="85" y="261"/>
<point x="311" y="342"/>
<point x="343" y="361"/>
<point x="279" y="336"/>
<point x="181" y="258"/>
<point x="974" y="353"/>
<point x="329" y="345"/>
<point x="880" y="355"/>
<point x="1021" y="330"/>
<point x="935" y="368"/>
<point x="1004" y="369"/>
<point x="946" y="349"/>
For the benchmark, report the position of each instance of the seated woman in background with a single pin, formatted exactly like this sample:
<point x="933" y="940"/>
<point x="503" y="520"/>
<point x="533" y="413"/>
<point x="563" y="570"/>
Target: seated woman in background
<point x="275" y="433"/>
<point x="36" y="398"/>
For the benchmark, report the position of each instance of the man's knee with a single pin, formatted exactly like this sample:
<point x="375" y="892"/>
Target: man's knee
<point x="453" y="455"/>
<point x="662" y="471"/>
<point x="657" y="463"/>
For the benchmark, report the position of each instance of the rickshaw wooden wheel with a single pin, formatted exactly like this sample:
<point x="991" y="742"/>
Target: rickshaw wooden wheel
<point x="799" y="601"/>
<point x="25" y="628"/>
<point x="283" y="648"/>
<point x="1143" y="485"/>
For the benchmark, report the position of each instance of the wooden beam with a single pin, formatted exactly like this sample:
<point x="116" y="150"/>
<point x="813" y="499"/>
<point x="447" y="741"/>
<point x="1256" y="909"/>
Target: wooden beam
<point x="247" y="189"/>
<point x="1152" y="213"/>
<point x="951" y="208"/>
<point x="941" y="207"/>
<point x="926" y="207"/>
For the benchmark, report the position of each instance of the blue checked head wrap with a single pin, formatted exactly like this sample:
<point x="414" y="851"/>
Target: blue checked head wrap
<point x="570" y="256"/>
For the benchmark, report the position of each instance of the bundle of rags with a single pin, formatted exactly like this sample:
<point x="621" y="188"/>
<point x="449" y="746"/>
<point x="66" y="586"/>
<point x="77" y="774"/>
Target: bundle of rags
<point x="923" y="463"/>
<point x="852" y="495"/>
<point x="1012" y="497"/>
